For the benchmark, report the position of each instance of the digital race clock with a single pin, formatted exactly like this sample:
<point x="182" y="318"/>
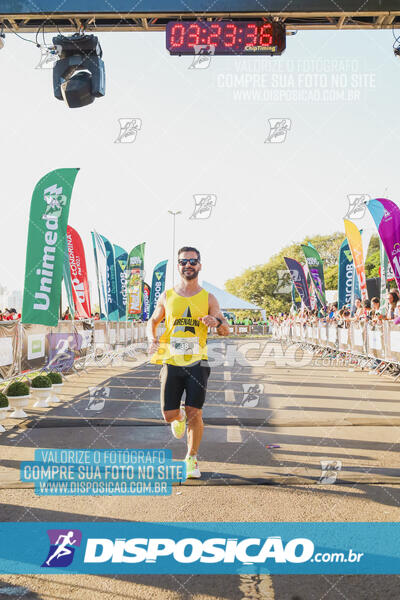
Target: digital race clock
<point x="226" y="37"/>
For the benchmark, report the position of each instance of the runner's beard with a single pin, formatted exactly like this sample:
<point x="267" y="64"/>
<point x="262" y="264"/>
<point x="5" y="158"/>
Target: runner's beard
<point x="190" y="275"/>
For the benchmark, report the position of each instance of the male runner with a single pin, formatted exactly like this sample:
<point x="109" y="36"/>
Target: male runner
<point x="188" y="310"/>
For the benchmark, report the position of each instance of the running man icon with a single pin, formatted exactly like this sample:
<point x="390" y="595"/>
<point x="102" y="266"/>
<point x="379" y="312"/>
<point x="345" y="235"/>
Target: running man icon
<point x="62" y="542"/>
<point x="62" y="549"/>
<point x="251" y="394"/>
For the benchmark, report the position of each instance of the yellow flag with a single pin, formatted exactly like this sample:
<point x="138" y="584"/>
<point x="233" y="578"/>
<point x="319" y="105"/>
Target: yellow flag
<point x="355" y="243"/>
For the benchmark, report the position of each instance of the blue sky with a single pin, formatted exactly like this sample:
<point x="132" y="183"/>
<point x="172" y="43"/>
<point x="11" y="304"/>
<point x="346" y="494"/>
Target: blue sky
<point x="204" y="131"/>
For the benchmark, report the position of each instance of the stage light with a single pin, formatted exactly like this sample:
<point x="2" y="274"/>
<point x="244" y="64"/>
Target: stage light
<point x="79" y="75"/>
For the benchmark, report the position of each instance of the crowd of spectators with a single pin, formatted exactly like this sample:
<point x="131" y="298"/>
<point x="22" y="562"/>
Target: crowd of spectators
<point x="9" y="314"/>
<point x="247" y="321"/>
<point x="66" y="316"/>
<point x="363" y="310"/>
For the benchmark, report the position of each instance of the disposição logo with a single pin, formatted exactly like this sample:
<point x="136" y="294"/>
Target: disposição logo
<point x="62" y="547"/>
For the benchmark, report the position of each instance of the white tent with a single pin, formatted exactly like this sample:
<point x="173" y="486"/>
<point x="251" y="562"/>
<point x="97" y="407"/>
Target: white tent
<point x="228" y="301"/>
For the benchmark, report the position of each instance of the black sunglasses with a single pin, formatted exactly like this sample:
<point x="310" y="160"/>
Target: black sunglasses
<point x="185" y="261"/>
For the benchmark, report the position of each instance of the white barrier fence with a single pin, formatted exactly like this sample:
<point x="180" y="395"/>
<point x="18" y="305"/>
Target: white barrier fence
<point x="245" y="330"/>
<point x="375" y="341"/>
<point x="69" y="346"/>
<point x="76" y="344"/>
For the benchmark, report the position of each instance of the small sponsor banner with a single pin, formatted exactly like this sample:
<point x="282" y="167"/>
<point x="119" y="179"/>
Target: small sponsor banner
<point x="395" y="341"/>
<point x="6" y="351"/>
<point x="99" y="336"/>
<point x="332" y="334"/>
<point x="113" y="335"/>
<point x="343" y="335"/>
<point x="358" y="337"/>
<point x="375" y="340"/>
<point x="36" y="346"/>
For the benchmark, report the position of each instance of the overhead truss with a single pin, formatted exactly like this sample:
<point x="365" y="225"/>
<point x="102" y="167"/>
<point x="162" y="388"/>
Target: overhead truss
<point x="68" y="22"/>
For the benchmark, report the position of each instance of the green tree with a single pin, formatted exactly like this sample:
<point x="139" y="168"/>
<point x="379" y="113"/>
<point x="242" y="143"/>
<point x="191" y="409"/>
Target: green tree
<point x="261" y="284"/>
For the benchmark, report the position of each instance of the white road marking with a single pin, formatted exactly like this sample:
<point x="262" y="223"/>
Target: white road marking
<point x="233" y="434"/>
<point x="229" y="396"/>
<point x="13" y="591"/>
<point x="227" y="376"/>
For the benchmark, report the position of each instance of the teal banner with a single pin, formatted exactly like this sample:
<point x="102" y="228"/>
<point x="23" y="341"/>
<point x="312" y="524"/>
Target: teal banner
<point x="111" y="281"/>
<point x="121" y="257"/>
<point x="158" y="284"/>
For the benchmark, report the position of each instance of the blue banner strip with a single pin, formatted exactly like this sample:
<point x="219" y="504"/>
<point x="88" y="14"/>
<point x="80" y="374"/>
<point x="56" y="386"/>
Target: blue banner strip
<point x="142" y="6"/>
<point x="200" y="548"/>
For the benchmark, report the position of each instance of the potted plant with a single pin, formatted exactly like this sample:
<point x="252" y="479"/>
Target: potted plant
<point x="56" y="380"/>
<point x="18" y="396"/>
<point x="41" y="389"/>
<point x="3" y="408"/>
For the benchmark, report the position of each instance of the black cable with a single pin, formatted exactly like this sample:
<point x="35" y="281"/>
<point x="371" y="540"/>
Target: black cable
<point x="42" y="27"/>
<point x="396" y="38"/>
<point x="393" y="30"/>
<point x="36" y="37"/>
<point x="58" y="29"/>
<point x="26" y="39"/>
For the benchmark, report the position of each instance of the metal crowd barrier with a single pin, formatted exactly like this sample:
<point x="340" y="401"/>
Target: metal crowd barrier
<point x="74" y="345"/>
<point x="69" y="347"/>
<point x="245" y="329"/>
<point x="369" y="344"/>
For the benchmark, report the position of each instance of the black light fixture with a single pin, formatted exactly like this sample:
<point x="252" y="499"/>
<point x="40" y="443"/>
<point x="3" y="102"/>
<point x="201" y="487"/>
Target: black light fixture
<point x="79" y="75"/>
<point x="2" y="37"/>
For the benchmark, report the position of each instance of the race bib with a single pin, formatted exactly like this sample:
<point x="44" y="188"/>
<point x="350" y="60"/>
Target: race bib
<point x="184" y="345"/>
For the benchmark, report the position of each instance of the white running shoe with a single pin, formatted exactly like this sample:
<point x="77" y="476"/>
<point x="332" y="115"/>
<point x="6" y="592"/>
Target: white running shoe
<point x="192" y="468"/>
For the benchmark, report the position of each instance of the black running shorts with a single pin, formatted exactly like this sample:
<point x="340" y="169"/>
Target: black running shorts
<point x="175" y="379"/>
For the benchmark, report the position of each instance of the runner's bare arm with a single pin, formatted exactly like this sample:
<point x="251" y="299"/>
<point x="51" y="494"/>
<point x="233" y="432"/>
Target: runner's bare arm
<point x="154" y="321"/>
<point x="214" y="312"/>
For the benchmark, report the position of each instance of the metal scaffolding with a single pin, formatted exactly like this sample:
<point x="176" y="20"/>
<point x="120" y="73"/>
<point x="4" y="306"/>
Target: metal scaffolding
<point x="92" y="22"/>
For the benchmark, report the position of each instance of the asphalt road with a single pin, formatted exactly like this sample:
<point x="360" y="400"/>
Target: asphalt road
<point x="287" y="438"/>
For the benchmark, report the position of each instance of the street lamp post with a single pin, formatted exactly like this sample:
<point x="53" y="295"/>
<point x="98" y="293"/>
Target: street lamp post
<point x="174" y="213"/>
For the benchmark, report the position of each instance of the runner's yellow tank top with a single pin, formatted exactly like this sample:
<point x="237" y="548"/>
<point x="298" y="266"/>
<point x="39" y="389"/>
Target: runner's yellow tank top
<point x="184" y="341"/>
